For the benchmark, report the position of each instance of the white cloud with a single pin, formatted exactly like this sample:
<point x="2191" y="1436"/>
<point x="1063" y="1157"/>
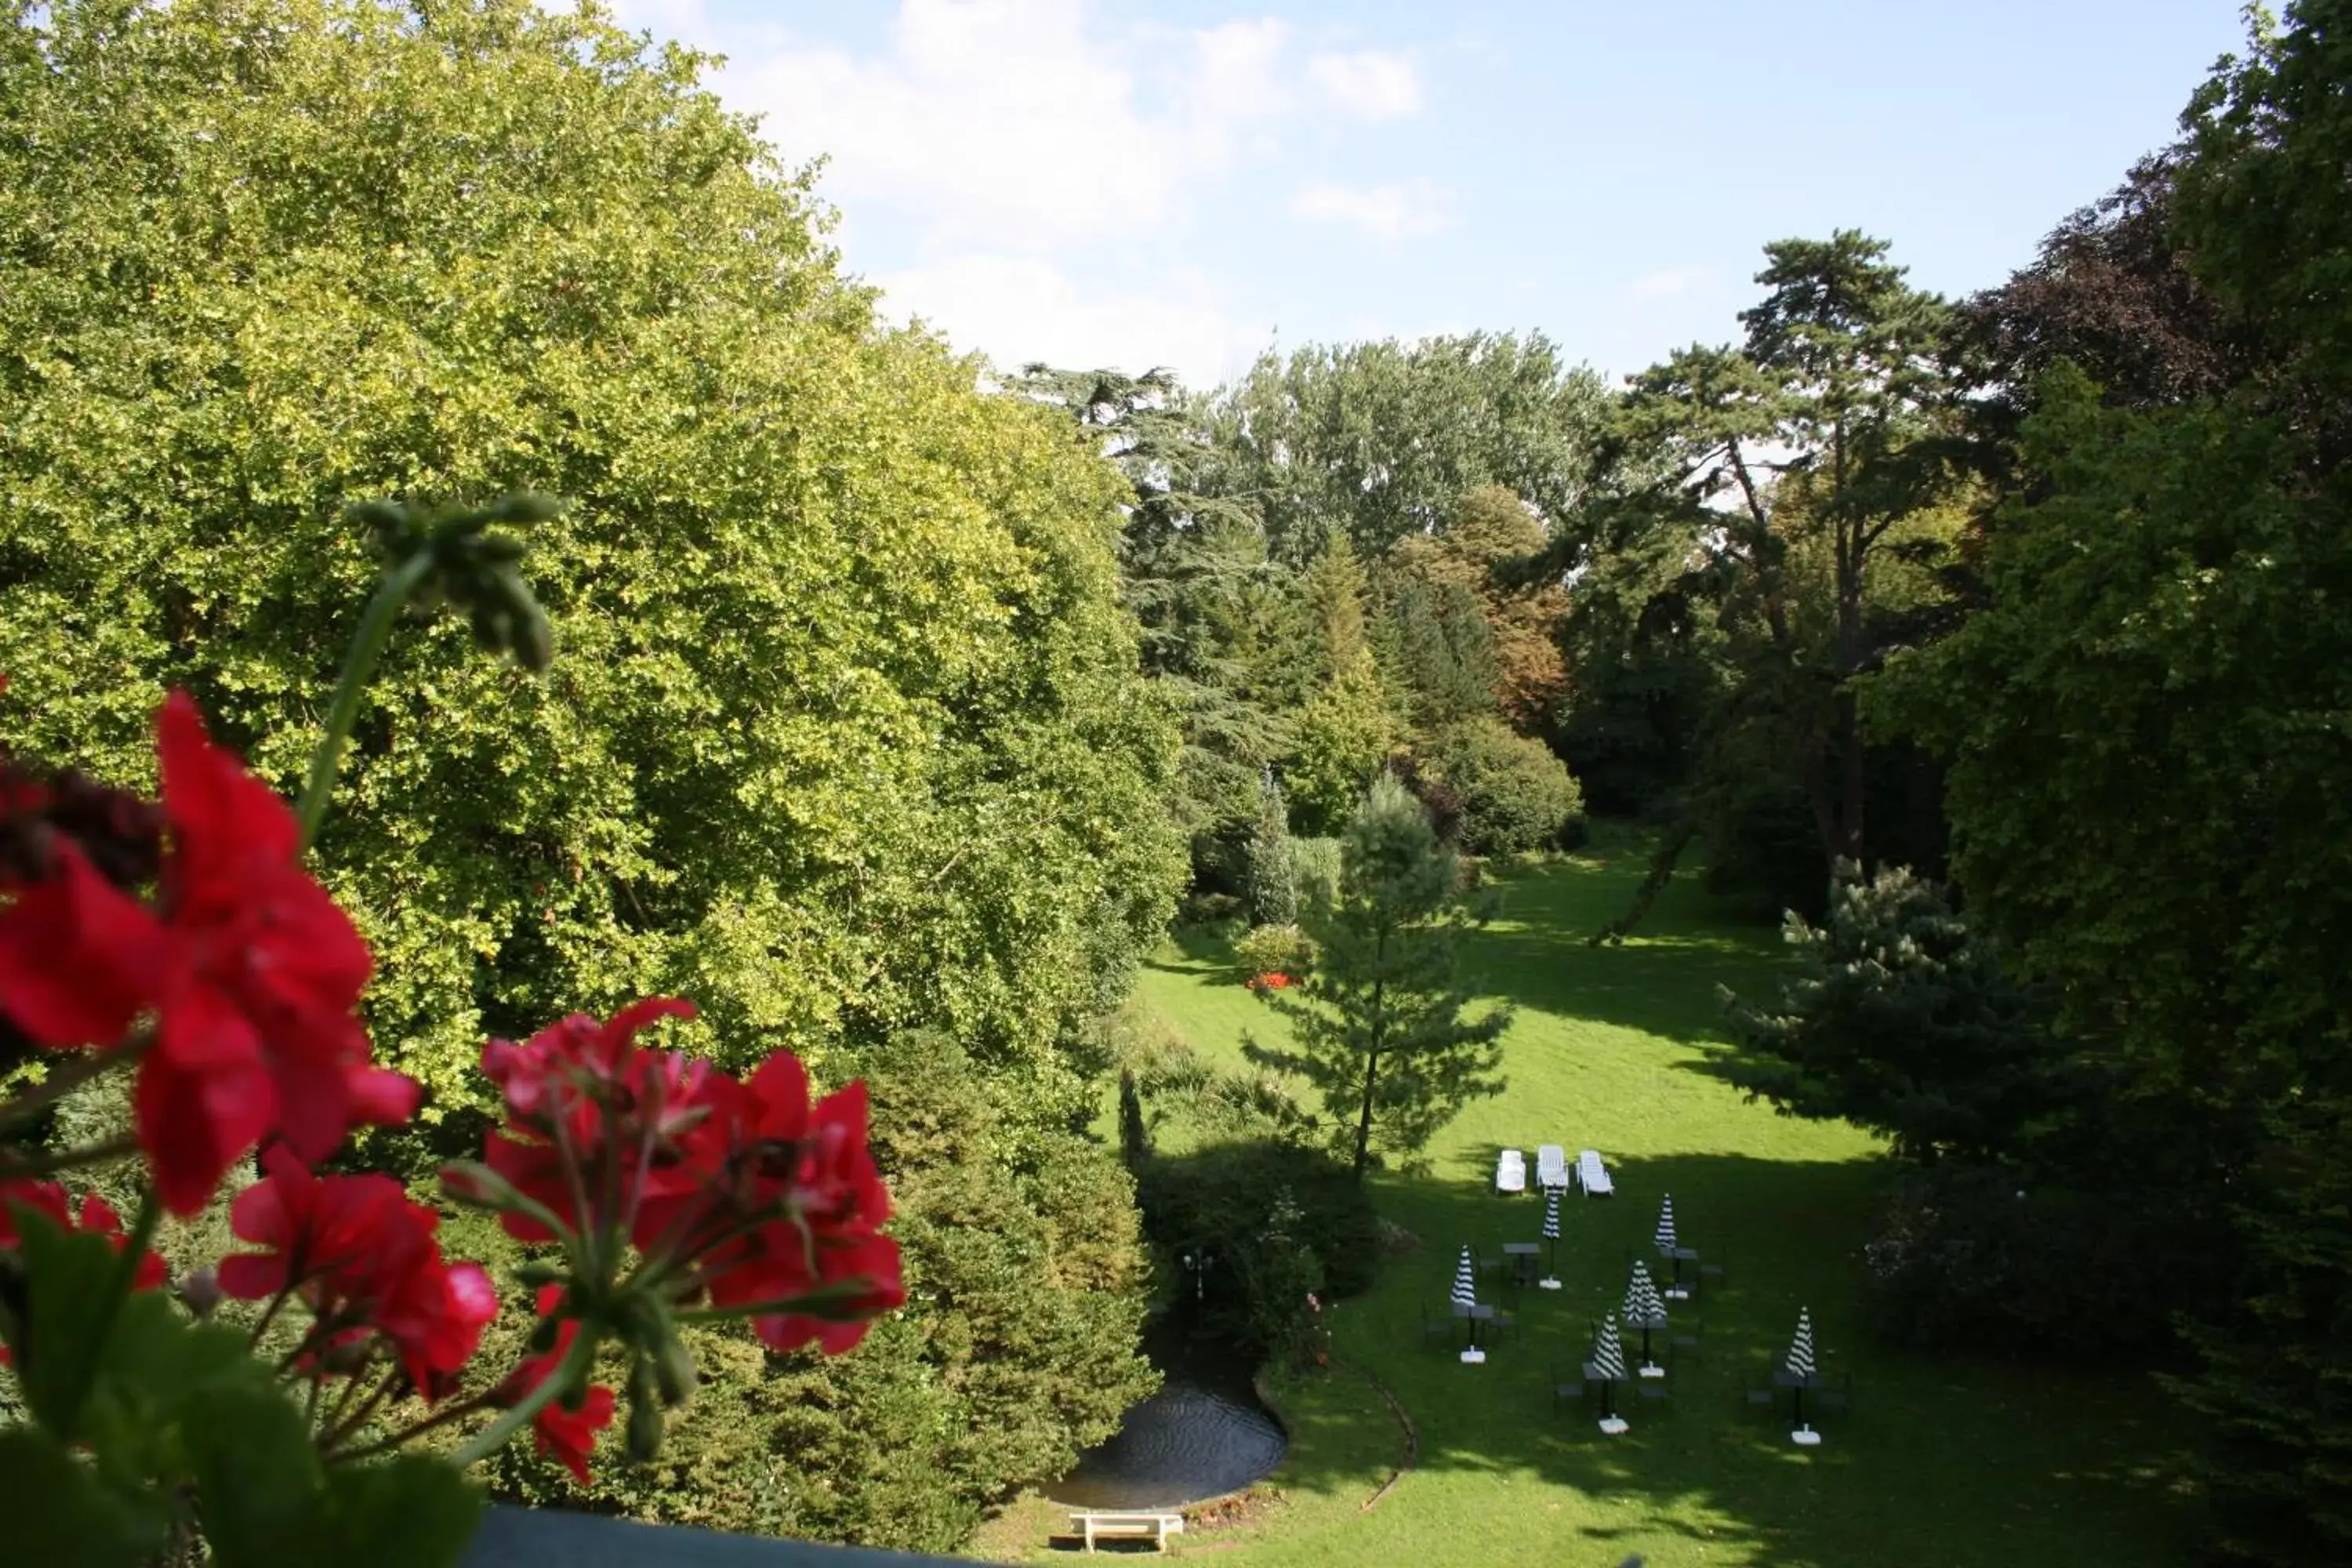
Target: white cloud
<point x="1673" y="283"/>
<point x="1004" y="121"/>
<point x="1016" y="309"/>
<point x="1391" y="211"/>
<point x="1368" y="84"/>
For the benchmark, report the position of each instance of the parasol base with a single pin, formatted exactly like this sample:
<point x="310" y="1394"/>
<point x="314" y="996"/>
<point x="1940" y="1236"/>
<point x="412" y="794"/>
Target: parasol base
<point x="1547" y="1284"/>
<point x="1653" y="1369"/>
<point x="1805" y="1437"/>
<point x="1473" y="1356"/>
<point x="1615" y="1426"/>
<point x="1676" y="1293"/>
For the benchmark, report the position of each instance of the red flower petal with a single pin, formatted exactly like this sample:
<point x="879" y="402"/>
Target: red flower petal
<point x="79" y="959"/>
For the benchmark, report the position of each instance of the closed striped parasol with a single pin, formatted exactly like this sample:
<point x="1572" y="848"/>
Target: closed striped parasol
<point x="1643" y="1305"/>
<point x="1465" y="1280"/>
<point x="1609" y="1352"/>
<point x="1551" y="1281"/>
<point x="1666" y="1237"/>
<point x="1801" y="1349"/>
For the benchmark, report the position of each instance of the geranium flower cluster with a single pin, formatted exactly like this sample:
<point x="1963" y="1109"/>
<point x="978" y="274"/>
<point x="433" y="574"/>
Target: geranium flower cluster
<point x="743" y="1196"/>
<point x="1274" y="982"/>
<point x="186" y="941"/>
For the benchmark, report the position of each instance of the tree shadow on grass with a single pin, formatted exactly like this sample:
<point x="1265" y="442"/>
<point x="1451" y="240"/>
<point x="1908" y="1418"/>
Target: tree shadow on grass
<point x="1661" y="980"/>
<point x="1958" y="1459"/>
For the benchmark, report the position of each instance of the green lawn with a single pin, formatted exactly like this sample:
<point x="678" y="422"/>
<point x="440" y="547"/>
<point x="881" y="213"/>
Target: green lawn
<point x="1944" y="1461"/>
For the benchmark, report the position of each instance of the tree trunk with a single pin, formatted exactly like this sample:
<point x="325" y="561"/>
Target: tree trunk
<point x="1372" y="1057"/>
<point x="1853" y="541"/>
<point x="1662" y="871"/>
<point x="1364" y="1122"/>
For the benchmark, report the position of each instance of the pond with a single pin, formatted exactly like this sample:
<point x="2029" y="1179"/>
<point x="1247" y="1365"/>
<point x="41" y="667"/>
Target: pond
<point x="1202" y="1435"/>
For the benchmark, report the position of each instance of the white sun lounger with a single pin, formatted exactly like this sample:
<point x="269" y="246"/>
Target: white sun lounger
<point x="1593" y="1176"/>
<point x="1511" y="1172"/>
<point x="1551" y="1166"/>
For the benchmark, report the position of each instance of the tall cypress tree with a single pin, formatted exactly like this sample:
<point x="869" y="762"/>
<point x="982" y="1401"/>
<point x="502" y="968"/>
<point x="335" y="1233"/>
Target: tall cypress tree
<point x="1380" y="1026"/>
<point x="1272" y="886"/>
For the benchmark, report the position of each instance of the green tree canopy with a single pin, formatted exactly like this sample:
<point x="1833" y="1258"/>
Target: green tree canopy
<point x="846" y="734"/>
<point x="1380" y="440"/>
<point x="2150" y="796"/>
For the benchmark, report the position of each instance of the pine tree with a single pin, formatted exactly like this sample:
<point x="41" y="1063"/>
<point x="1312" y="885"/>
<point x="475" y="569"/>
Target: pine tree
<point x="1273" y="886"/>
<point x="1380" y="1025"/>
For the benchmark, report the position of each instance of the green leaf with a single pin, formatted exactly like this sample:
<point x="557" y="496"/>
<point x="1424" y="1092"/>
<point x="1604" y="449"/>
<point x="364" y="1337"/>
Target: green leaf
<point x="258" y="1479"/>
<point x="57" y="1512"/>
<point x="412" y="1512"/>
<point x="70" y="1279"/>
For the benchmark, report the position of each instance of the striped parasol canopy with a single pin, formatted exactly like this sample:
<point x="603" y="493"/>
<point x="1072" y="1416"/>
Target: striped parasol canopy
<point x="1666" y="1237"/>
<point x="1643" y="1303"/>
<point x="1608" y="1352"/>
<point x="1552" y="1214"/>
<point x="1465" y="1280"/>
<point x="1801" y="1349"/>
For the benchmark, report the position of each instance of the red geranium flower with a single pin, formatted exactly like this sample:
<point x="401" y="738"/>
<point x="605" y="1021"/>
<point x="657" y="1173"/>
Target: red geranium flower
<point x="582" y="1091"/>
<point x="568" y="1436"/>
<point x="251" y="969"/>
<point x="810" y="1169"/>
<point x="362" y="1256"/>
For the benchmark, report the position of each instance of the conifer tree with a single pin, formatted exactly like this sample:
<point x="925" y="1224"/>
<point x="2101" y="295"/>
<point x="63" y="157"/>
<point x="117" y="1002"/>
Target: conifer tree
<point x="1347" y="727"/>
<point x="1273" y="886"/>
<point x="1380" y="1026"/>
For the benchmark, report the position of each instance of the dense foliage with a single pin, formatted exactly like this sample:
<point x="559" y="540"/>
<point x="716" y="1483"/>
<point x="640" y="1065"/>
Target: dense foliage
<point x="1278" y="1221"/>
<point x="1380" y="441"/>
<point x="2148" y="787"/>
<point x="847" y="737"/>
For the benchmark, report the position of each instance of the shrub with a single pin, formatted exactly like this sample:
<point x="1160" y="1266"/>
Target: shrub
<point x="1515" y="794"/>
<point x="1213" y="910"/>
<point x="1273" y="886"/>
<point x="1275" y="949"/>
<point x="1278" y="1220"/>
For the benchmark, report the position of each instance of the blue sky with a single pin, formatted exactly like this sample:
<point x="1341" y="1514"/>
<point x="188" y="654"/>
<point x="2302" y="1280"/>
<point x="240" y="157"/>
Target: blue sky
<point x="1130" y="183"/>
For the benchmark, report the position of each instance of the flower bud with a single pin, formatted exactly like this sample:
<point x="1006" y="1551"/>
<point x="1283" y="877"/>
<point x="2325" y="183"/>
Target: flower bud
<point x="347" y="1358"/>
<point x="645" y="1439"/>
<point x="201" y="1291"/>
<point x="674" y="1372"/>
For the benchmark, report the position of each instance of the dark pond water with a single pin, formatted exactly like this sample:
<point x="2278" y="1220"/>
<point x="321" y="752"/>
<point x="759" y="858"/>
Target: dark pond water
<point x="1204" y="1433"/>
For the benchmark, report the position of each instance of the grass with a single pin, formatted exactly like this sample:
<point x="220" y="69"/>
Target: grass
<point x="1945" y="1460"/>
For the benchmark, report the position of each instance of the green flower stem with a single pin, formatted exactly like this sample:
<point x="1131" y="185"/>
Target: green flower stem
<point x="455" y="1411"/>
<point x="574" y="1369"/>
<point x="367" y="646"/>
